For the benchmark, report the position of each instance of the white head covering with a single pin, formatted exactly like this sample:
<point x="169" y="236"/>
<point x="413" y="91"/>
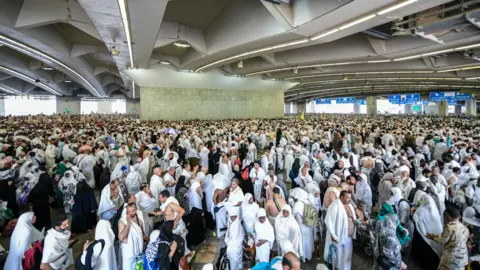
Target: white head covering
<point x="264" y="231"/>
<point x="194" y="199"/>
<point x="287" y="232"/>
<point x="23" y="235"/>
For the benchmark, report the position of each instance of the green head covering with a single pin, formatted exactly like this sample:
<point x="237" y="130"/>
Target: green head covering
<point x="401" y="233"/>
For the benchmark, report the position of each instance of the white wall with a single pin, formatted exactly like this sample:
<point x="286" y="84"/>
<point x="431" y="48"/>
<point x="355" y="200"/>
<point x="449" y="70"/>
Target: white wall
<point x="107" y="106"/>
<point x="385" y="107"/>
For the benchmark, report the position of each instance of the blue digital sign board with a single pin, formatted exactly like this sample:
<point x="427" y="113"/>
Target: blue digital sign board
<point x="323" y="101"/>
<point x="361" y="101"/>
<point x="404" y="99"/>
<point x="463" y="96"/>
<point x="345" y="100"/>
<point x="442" y="96"/>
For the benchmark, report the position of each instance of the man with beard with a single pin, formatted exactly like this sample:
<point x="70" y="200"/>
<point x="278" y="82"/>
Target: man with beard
<point x="56" y="251"/>
<point x="131" y="235"/>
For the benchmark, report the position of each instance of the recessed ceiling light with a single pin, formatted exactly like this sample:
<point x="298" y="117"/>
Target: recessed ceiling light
<point x="181" y="44"/>
<point x="68" y="81"/>
<point x="165" y="62"/>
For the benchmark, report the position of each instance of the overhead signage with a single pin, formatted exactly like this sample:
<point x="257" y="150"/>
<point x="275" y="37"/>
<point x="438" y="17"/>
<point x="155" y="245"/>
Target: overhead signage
<point x="452" y="102"/>
<point x="442" y="96"/>
<point x="361" y="101"/>
<point x="404" y="99"/>
<point x="323" y="101"/>
<point x="346" y="100"/>
<point x="463" y="96"/>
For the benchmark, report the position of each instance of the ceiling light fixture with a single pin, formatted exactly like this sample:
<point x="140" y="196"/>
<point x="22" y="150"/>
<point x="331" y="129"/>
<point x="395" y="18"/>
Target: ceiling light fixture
<point x="122" y="4"/>
<point x="181" y="44"/>
<point x="378" y="61"/>
<point x="407" y="58"/>
<point x="397" y="6"/>
<point x="324" y="34"/>
<point x="468" y="68"/>
<point x="467" y="47"/>
<point x="165" y="62"/>
<point x="240" y="64"/>
<point x="448" y="70"/>
<point x="68" y="81"/>
<point x="438" y="52"/>
<point x="472" y="78"/>
<point x="28" y="50"/>
<point x="355" y="22"/>
<point x="44" y="67"/>
<point x="295" y="42"/>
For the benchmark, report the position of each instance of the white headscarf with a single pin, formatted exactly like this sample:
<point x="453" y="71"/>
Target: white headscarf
<point x="249" y="212"/>
<point x="264" y="231"/>
<point x="23" y="235"/>
<point x="287" y="232"/>
<point x="427" y="220"/>
<point x="194" y="199"/>
<point x="235" y="234"/>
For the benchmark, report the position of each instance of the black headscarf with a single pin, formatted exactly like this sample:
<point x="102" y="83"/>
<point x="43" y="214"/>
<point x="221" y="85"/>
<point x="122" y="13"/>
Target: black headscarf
<point x="180" y="184"/>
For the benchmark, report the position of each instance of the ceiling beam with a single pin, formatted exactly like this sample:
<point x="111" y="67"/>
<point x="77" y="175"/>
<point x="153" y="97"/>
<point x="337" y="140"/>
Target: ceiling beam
<point x="145" y="20"/>
<point x="283" y="13"/>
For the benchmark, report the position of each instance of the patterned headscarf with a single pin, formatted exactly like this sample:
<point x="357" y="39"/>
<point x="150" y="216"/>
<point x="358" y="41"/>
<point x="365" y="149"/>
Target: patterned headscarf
<point x="387" y="210"/>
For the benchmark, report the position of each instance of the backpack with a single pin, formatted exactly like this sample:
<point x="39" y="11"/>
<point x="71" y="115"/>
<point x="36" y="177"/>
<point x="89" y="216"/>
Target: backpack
<point x="114" y="221"/>
<point x="246" y="173"/>
<point x="88" y="257"/>
<point x="295" y="168"/>
<point x="33" y="256"/>
<point x="310" y="215"/>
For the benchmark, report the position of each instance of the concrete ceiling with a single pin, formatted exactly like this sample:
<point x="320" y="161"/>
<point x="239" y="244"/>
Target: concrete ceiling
<point x="308" y="46"/>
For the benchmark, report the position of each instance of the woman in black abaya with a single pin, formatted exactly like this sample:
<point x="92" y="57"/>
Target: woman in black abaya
<point x="39" y="198"/>
<point x="84" y="210"/>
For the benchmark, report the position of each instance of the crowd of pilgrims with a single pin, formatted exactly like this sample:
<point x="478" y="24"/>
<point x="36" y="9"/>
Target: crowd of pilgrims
<point x="403" y="187"/>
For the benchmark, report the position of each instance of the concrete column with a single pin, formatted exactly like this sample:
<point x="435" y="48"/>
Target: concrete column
<point x="458" y="109"/>
<point x="2" y="107"/>
<point x="408" y="109"/>
<point x="356" y="108"/>
<point x="471" y="107"/>
<point x="371" y="106"/>
<point x="133" y="106"/>
<point x="442" y="108"/>
<point x="301" y="107"/>
<point x="71" y="104"/>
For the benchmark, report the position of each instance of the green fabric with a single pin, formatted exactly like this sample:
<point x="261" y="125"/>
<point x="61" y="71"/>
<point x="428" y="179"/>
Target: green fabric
<point x="61" y="169"/>
<point x="401" y="233"/>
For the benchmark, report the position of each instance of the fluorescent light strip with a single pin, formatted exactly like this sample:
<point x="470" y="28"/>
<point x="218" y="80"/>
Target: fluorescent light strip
<point x="468" y="68"/>
<point x="397" y="6"/>
<point x="366" y="18"/>
<point x="467" y="47"/>
<point x="378" y="61"/>
<point x="312" y="38"/>
<point x="6" y="90"/>
<point x="123" y="12"/>
<point x="33" y="81"/>
<point x="268" y="71"/>
<point x="438" y="52"/>
<point x="448" y="70"/>
<point x="21" y="47"/>
<point x="472" y="78"/>
<point x="407" y="58"/>
<point x="300" y="41"/>
<point x="324" y="34"/>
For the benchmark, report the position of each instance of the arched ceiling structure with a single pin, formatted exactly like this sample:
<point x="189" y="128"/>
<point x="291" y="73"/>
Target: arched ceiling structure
<point x="309" y="48"/>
